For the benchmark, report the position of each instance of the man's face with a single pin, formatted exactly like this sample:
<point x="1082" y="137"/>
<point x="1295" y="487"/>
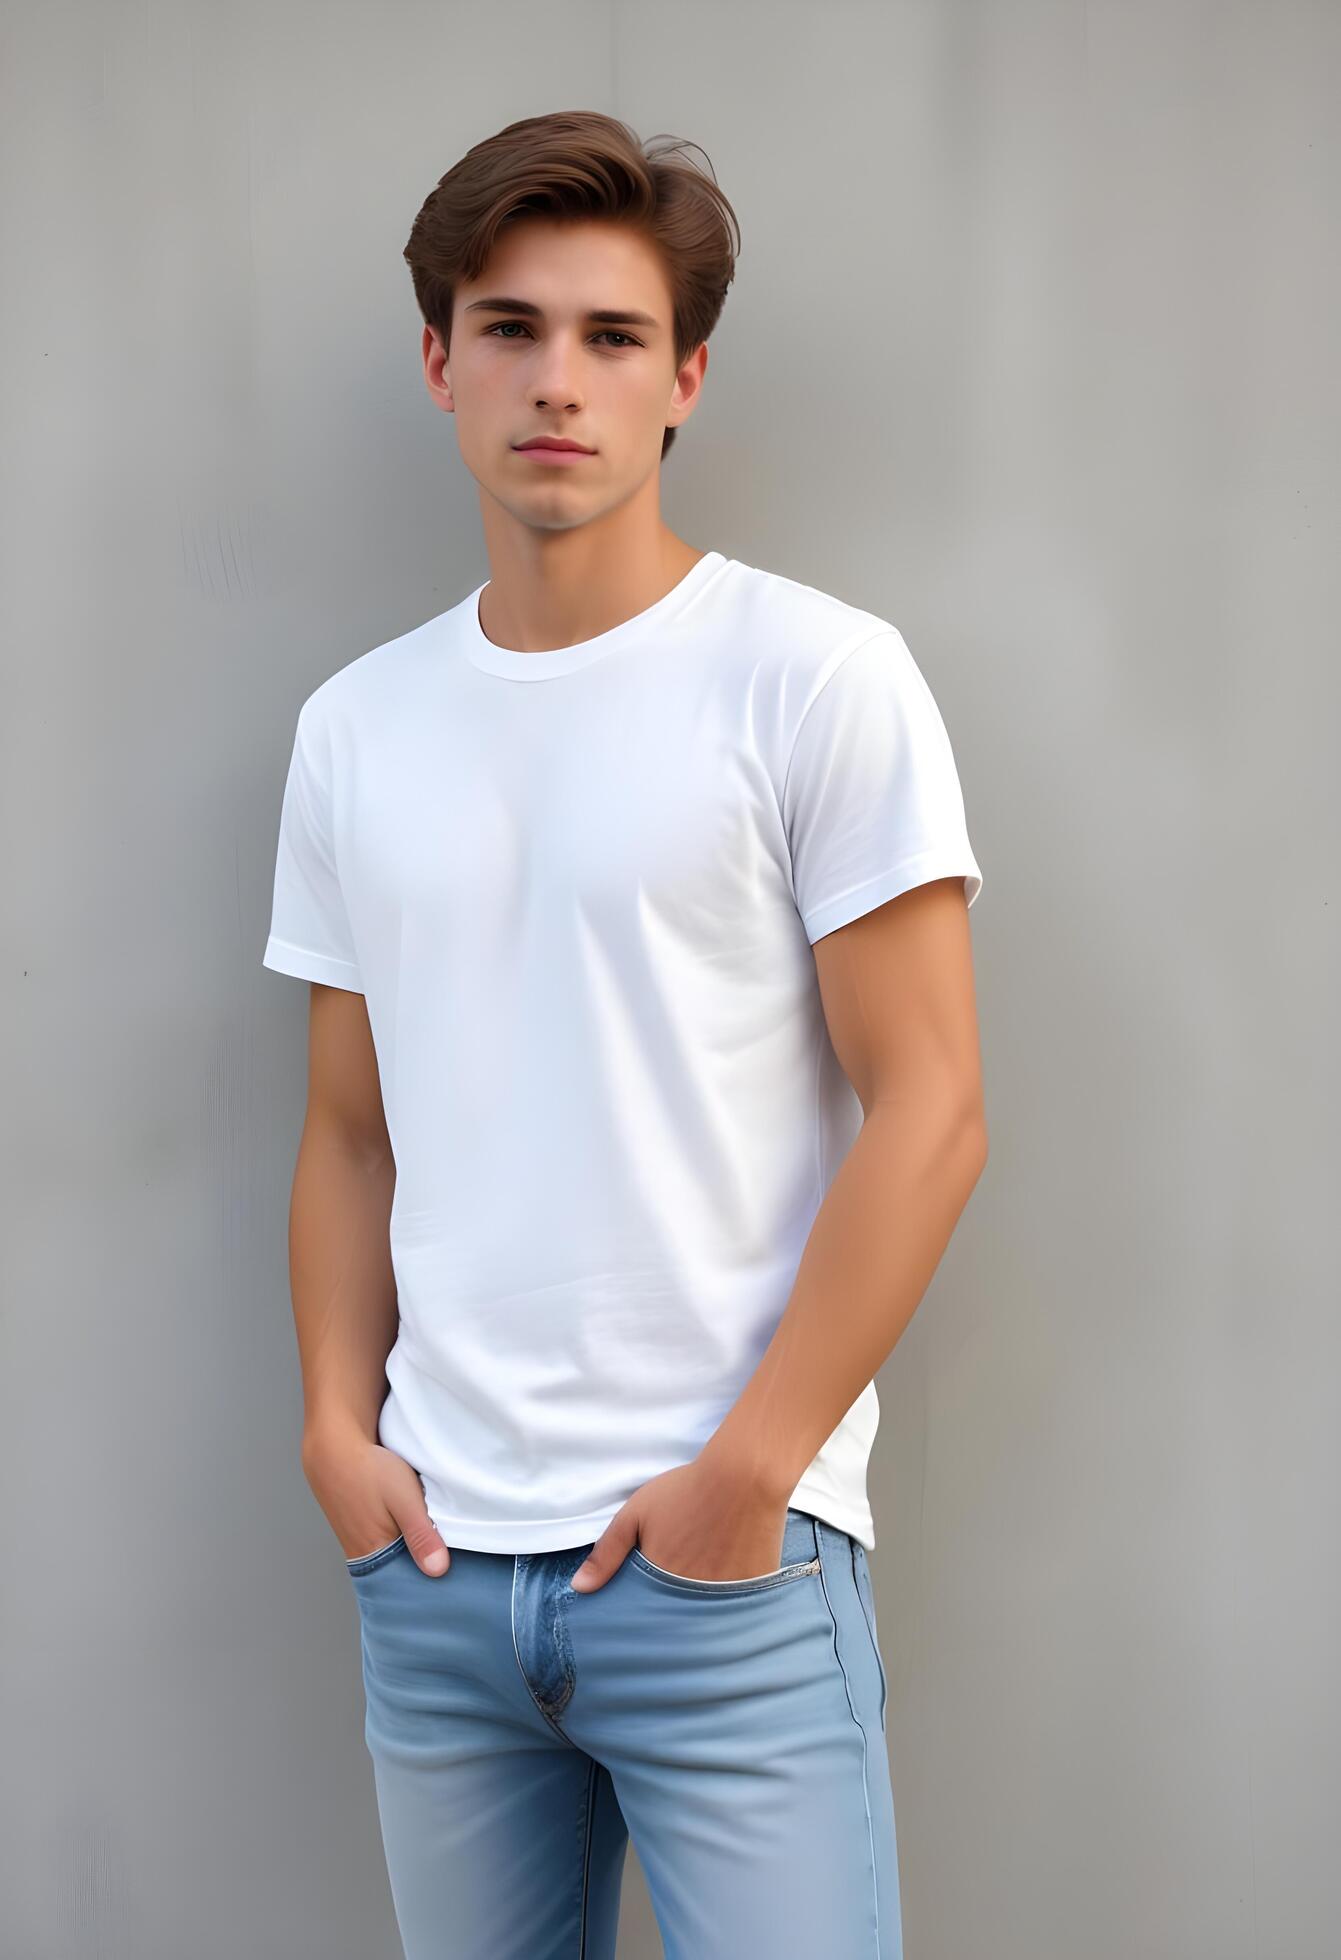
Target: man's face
<point x="511" y="374"/>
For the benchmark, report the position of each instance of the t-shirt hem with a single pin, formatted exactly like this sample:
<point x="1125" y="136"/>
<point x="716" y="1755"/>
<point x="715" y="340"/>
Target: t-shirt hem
<point x="823" y="1503"/>
<point x="519" y="1534"/>
<point x="565" y="1534"/>
<point x="282" y="957"/>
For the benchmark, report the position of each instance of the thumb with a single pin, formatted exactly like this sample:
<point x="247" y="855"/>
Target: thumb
<point x="608" y="1553"/>
<point x="424" y="1544"/>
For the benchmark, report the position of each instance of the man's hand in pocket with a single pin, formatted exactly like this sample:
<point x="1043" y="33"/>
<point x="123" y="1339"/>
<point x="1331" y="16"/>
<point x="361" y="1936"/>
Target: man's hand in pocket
<point x="371" y="1497"/>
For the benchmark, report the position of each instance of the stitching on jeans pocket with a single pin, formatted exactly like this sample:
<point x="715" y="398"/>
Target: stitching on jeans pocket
<point x="368" y="1560"/>
<point x="724" y="1588"/>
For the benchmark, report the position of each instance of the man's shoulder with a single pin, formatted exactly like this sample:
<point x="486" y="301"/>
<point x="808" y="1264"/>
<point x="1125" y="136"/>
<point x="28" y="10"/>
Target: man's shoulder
<point x="381" y="673"/>
<point x="805" y="629"/>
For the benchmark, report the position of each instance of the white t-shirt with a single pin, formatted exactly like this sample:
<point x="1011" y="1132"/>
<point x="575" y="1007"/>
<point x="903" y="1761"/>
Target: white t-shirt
<point x="578" y="890"/>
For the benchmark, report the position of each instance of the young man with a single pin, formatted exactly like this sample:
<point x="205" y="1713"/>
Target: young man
<point x="644" y="1098"/>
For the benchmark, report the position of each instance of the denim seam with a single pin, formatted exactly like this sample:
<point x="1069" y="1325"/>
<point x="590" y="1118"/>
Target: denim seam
<point x="586" y="1861"/>
<point x="540" y="1706"/>
<point x="865" y="1744"/>
<point x="875" y="1643"/>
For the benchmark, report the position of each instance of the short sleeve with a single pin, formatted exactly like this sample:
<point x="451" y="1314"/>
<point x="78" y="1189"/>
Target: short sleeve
<point x="309" y="927"/>
<point x="871" y="802"/>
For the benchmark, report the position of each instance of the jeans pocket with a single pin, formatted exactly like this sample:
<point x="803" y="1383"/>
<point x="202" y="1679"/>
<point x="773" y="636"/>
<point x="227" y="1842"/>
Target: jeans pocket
<point x="369" y="1561"/>
<point x="723" y="1588"/>
<point x="800" y="1560"/>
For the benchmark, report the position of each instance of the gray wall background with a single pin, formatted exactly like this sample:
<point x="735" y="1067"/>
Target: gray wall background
<point x="1032" y="349"/>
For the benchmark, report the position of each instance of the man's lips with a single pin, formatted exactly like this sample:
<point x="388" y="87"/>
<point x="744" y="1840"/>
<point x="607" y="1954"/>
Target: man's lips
<point x="554" y="442"/>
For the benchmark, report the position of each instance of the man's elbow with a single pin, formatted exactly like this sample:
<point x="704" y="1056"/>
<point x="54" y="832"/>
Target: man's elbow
<point x="975" y="1135"/>
<point x="966" y="1124"/>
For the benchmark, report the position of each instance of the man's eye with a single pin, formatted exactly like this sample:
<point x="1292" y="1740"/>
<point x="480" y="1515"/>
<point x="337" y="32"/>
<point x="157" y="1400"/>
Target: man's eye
<point x="609" y="333"/>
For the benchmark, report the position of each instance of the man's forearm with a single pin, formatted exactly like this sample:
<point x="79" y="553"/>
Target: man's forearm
<point x="876" y="1240"/>
<point x="342" y="1280"/>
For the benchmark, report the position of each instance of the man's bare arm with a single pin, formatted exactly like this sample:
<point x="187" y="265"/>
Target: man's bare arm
<point x="341" y="1278"/>
<point x="897" y="990"/>
<point x="344" y="1291"/>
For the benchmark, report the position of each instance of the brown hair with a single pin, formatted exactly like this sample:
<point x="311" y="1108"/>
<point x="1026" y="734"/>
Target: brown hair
<point x="576" y="163"/>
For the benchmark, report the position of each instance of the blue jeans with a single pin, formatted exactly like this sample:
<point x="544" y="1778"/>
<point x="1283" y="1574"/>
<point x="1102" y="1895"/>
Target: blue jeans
<point x="520" y="1731"/>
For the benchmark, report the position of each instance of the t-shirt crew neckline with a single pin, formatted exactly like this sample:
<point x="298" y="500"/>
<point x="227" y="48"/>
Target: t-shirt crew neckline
<point x="553" y="661"/>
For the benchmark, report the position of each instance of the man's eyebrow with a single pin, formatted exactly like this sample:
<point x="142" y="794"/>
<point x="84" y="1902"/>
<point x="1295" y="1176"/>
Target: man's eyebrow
<point x="610" y="316"/>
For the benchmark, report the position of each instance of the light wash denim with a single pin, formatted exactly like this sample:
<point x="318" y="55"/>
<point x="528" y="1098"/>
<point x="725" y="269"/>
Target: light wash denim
<point x="520" y="1732"/>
